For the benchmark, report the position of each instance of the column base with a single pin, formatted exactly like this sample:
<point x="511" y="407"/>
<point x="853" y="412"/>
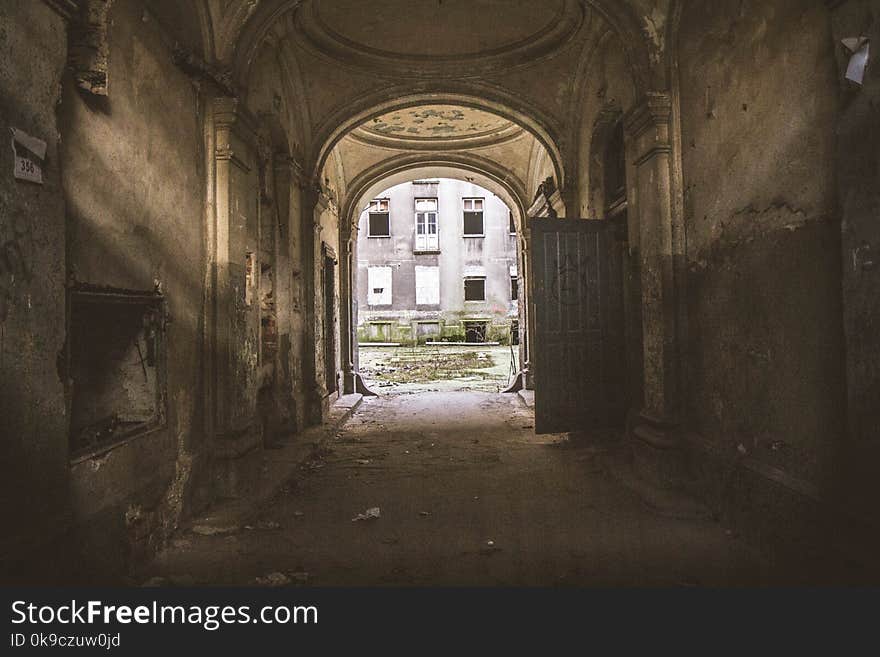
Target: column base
<point x="657" y="451"/>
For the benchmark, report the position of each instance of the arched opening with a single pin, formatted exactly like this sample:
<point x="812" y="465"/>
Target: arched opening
<point x="437" y="284"/>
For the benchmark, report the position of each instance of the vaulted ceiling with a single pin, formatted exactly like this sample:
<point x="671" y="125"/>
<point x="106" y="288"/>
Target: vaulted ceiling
<point x="496" y="81"/>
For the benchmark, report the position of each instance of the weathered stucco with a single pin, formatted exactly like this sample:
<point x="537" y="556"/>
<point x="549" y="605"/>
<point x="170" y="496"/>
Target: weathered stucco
<point x="133" y="169"/>
<point x="217" y="152"/>
<point x="758" y="112"/>
<point x="33" y="429"/>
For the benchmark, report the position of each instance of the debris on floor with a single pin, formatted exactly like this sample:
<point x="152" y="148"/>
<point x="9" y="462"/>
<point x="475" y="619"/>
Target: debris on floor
<point x="273" y="579"/>
<point x="264" y="525"/>
<point x="370" y="514"/>
<point x="214" y="530"/>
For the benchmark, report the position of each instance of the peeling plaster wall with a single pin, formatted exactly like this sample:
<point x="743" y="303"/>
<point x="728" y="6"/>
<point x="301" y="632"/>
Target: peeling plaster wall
<point x="269" y="100"/>
<point x="758" y="114"/>
<point x="133" y="169"/>
<point x="33" y="423"/>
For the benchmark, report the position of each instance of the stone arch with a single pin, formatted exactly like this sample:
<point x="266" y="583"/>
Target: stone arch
<point x="486" y="173"/>
<point x="491" y="100"/>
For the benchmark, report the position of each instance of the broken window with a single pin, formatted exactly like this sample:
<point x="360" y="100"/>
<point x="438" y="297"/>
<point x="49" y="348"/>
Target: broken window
<point x="380" y="218"/>
<point x="475" y="289"/>
<point x="427" y="238"/>
<point x="475" y="332"/>
<point x="115" y="365"/>
<point x="473" y="217"/>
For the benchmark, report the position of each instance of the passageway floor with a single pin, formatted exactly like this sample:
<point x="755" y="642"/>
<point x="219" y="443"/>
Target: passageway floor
<point x="467" y="495"/>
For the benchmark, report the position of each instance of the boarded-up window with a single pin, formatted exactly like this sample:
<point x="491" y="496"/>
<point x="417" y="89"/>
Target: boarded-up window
<point x="379" y="286"/>
<point x="428" y="329"/>
<point x="427" y="286"/>
<point x="379" y="219"/>
<point x="427" y="238"/>
<point x="475" y="289"/>
<point x="473" y="217"/>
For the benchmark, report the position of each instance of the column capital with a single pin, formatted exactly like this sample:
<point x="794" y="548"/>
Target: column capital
<point x="653" y="111"/>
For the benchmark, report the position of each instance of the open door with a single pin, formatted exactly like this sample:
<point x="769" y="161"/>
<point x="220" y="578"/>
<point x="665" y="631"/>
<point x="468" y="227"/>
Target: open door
<point x="579" y="364"/>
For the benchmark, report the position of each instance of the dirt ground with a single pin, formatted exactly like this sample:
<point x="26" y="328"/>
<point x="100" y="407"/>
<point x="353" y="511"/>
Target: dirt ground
<point x="400" y="370"/>
<point x="466" y="495"/>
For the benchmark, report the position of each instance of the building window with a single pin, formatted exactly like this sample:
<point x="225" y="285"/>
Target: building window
<point x="426" y="225"/>
<point x="475" y="289"/>
<point x="116" y="367"/>
<point x="428" y="330"/>
<point x="511" y="225"/>
<point x="475" y="332"/>
<point x="379" y="331"/>
<point x="514" y="332"/>
<point x="379" y="286"/>
<point x="473" y="217"/>
<point x="380" y="218"/>
<point x="514" y="288"/>
<point x="427" y="286"/>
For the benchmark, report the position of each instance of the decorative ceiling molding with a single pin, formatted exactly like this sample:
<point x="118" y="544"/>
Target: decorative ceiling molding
<point x="317" y="36"/>
<point x="436" y="127"/>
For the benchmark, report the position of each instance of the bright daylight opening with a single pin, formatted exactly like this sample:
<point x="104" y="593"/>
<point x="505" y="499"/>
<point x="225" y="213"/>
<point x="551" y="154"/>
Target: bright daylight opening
<point x="438" y="283"/>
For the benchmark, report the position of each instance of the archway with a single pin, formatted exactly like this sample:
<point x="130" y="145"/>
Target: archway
<point x="491" y="178"/>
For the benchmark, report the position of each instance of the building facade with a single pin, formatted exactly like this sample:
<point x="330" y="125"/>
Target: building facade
<point x="437" y="261"/>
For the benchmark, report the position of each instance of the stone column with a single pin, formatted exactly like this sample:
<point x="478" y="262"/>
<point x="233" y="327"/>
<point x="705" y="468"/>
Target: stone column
<point x="347" y="340"/>
<point x="648" y="128"/>
<point x="235" y="339"/>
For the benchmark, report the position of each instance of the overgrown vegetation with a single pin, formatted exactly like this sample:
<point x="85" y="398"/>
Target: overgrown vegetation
<point x="425" y="365"/>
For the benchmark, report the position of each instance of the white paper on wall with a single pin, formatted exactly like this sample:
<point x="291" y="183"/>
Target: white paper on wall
<point x="860" y="47"/>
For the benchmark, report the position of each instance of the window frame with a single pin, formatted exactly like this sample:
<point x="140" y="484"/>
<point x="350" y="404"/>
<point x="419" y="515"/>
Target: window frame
<point x="426" y="235"/>
<point x="474" y="278"/>
<point x="465" y="210"/>
<point x="371" y="212"/>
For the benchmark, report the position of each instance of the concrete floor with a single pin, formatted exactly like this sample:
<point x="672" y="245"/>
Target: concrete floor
<point x="450" y="473"/>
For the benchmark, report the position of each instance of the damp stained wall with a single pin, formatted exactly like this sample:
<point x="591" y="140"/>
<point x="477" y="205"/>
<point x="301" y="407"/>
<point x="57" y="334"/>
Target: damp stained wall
<point x="758" y="111"/>
<point x="134" y="171"/>
<point x="33" y="423"/>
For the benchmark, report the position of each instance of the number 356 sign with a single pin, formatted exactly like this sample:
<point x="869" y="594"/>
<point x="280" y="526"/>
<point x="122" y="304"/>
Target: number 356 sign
<point x="29" y="154"/>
